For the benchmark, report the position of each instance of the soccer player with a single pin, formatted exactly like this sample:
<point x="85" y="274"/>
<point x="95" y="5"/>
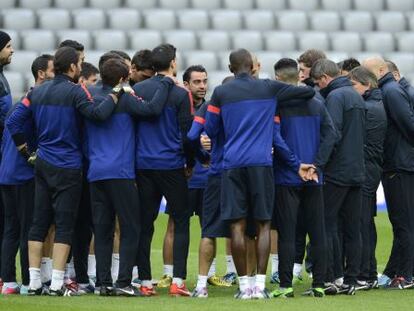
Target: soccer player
<point x="195" y="80"/>
<point x="246" y="108"/>
<point x="344" y="175"/>
<point x="392" y="67"/>
<point x="112" y="190"/>
<point x="76" y="45"/>
<point x="308" y="131"/>
<point x="55" y="107"/>
<point x="17" y="194"/>
<point x="398" y="177"/>
<point x="89" y="74"/>
<point x="347" y="65"/>
<point x="366" y="84"/>
<point x="141" y="67"/>
<point x="164" y="159"/>
<point x="6" y="53"/>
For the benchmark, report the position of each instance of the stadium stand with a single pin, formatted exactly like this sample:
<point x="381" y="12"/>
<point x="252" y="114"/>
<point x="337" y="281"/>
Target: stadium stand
<point x="205" y="31"/>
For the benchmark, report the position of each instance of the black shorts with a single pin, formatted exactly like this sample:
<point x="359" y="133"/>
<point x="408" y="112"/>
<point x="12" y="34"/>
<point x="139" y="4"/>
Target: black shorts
<point x="57" y="195"/>
<point x="248" y="191"/>
<point x="212" y="226"/>
<point x="195" y="202"/>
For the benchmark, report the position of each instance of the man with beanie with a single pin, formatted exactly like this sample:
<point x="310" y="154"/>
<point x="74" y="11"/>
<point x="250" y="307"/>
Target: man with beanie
<point x="6" y="52"/>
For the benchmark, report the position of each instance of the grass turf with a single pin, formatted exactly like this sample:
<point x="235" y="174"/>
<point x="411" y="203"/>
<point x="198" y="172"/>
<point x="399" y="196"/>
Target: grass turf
<point x="222" y="298"/>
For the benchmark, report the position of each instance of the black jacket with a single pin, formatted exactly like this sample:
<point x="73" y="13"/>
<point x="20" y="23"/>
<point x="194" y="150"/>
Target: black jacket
<point x="408" y="88"/>
<point x="399" y="141"/>
<point x="347" y="109"/>
<point x="375" y="130"/>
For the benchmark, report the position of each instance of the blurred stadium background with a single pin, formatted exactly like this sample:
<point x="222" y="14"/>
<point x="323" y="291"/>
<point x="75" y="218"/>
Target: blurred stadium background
<point x="204" y="31"/>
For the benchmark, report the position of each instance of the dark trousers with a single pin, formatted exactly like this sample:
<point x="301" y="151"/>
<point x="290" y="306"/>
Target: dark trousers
<point x="57" y="195"/>
<point x="109" y="198"/>
<point x="18" y="202"/>
<point x="342" y="213"/>
<point x="301" y="245"/>
<point x="172" y="184"/>
<point x="289" y="201"/>
<point x="1" y="228"/>
<point x="82" y="235"/>
<point x="399" y="195"/>
<point x="369" y="239"/>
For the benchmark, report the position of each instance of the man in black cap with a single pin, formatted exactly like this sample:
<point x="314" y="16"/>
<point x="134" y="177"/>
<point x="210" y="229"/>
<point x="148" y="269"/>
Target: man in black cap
<point x="6" y="52"/>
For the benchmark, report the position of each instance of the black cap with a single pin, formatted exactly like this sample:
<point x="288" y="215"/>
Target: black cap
<point x="4" y="39"/>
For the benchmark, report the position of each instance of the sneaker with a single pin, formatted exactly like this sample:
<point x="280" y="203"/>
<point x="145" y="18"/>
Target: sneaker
<point x="347" y="289"/>
<point x="71" y="288"/>
<point x="24" y="290"/>
<point x="401" y="283"/>
<point x="243" y="295"/>
<point x="127" y="291"/>
<point x="147" y="291"/>
<point x="373" y="284"/>
<point x="35" y="291"/>
<point x="86" y="289"/>
<point x="165" y="282"/>
<point x="1" y="284"/>
<point x="384" y="281"/>
<point x="230" y="278"/>
<point x="362" y="285"/>
<point x="330" y="289"/>
<point x="283" y="293"/>
<point x="105" y="291"/>
<point x="182" y="290"/>
<point x="274" y="279"/>
<point x="136" y="282"/>
<point x="339" y="282"/>
<point x="10" y="290"/>
<point x="200" y="293"/>
<point x="315" y="292"/>
<point x="218" y="281"/>
<point x="260" y="294"/>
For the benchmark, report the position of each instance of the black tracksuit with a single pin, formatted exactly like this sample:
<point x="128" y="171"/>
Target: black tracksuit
<point x="376" y="127"/>
<point x="344" y="175"/>
<point x="398" y="177"/>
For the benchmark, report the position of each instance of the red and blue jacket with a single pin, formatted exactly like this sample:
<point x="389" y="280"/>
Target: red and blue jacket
<point x="111" y="144"/>
<point x="162" y="142"/>
<point x="246" y="109"/>
<point x="308" y="131"/>
<point x="14" y="169"/>
<point x="57" y="107"/>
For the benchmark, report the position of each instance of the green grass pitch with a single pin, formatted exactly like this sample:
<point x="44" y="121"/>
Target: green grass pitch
<point x="222" y="299"/>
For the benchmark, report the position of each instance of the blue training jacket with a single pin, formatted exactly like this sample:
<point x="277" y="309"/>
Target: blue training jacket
<point x="308" y="131"/>
<point x="217" y="142"/>
<point x="14" y="169"/>
<point x="162" y="142"/>
<point x="5" y="99"/>
<point x="246" y="107"/>
<point x="56" y="107"/>
<point x="111" y="144"/>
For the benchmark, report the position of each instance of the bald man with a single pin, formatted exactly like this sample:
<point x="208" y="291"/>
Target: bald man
<point x="398" y="176"/>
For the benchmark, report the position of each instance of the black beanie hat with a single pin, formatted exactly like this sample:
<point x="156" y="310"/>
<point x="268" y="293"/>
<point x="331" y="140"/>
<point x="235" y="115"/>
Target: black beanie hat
<point x="4" y="39"/>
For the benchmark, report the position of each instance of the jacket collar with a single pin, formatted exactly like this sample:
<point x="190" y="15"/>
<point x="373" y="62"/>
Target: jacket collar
<point x="63" y="77"/>
<point x="387" y="78"/>
<point x="335" y="84"/>
<point x="374" y="94"/>
<point x="404" y="83"/>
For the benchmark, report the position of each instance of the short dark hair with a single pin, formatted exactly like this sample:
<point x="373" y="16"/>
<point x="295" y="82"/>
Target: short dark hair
<point x="142" y="60"/>
<point x="324" y="67"/>
<point x="287" y="69"/>
<point x="363" y="76"/>
<point x="349" y="64"/>
<point x="190" y="70"/>
<point x="105" y="57"/>
<point x="88" y="70"/>
<point x="162" y="56"/>
<point x="64" y="57"/>
<point x="73" y="44"/>
<point x="309" y="57"/>
<point x="41" y="63"/>
<point x="122" y="54"/>
<point x="241" y="60"/>
<point x="391" y="66"/>
<point x="113" y="70"/>
<point x="227" y="79"/>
